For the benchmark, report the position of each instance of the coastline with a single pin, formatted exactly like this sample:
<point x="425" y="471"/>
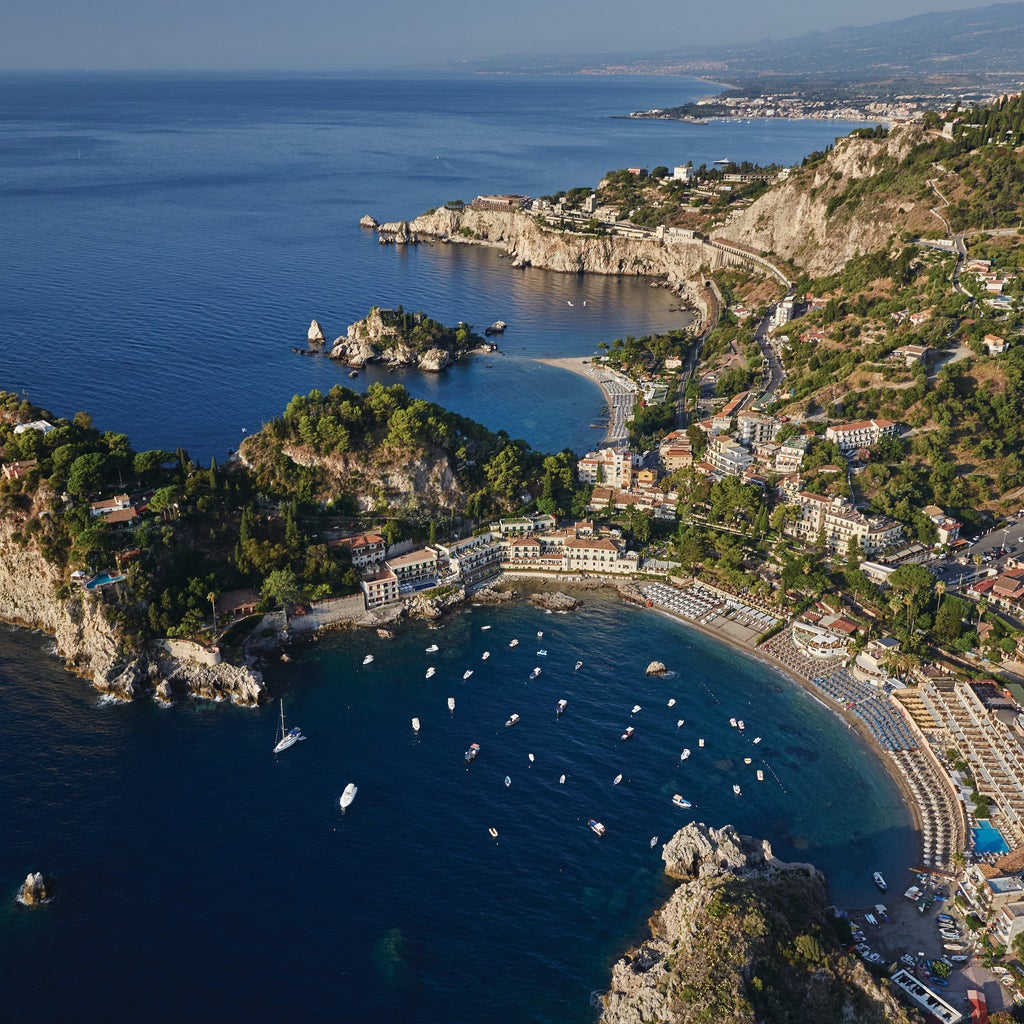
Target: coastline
<point x="618" y="403"/>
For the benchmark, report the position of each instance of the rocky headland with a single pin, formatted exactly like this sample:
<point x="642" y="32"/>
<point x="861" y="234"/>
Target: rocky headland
<point x="743" y="938"/>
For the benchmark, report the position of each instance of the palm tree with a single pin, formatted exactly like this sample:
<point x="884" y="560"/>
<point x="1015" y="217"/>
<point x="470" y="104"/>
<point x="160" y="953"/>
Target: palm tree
<point x="212" y="598"/>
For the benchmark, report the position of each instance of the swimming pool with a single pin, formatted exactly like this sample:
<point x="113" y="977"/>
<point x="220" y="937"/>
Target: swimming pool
<point x="103" y="580"/>
<point x="988" y="839"/>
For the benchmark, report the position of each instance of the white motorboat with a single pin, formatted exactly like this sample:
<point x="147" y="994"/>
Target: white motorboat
<point x="760" y="775"/>
<point x="740" y="725"/>
<point x="430" y="672"/>
<point x="485" y="627"/>
<point x="654" y="842"/>
<point x="467" y="673"/>
<point x="433" y="649"/>
<point x="636" y="709"/>
<point x="368" y="659"/>
<point x="579" y="665"/>
<point x="561" y="706"/>
<point x="747" y="760"/>
<point x="617" y="779"/>
<point x="289" y="738"/>
<point x="415" y="725"/>
<point x="472" y="753"/>
<point x="540" y="633"/>
<point x="531" y="757"/>
<point x="508" y="781"/>
<point x="685" y="754"/>
<point x="680" y="802"/>
<point x="513" y="719"/>
<point x="628" y="734"/>
<point x="485" y="655"/>
<point x="732" y="722"/>
<point x="494" y="832"/>
<point x="451" y="703"/>
<point x="535" y="673"/>
<point x="736" y="789"/>
<point x="596" y="827"/>
<point x="513" y="643"/>
<point x="680" y="723"/>
<point x="542" y="653"/>
<point x="757" y="739"/>
<point x="700" y="742"/>
<point x="348" y="795"/>
<point x="561" y="780"/>
<point x="671" y="702"/>
<point x="880" y="881"/>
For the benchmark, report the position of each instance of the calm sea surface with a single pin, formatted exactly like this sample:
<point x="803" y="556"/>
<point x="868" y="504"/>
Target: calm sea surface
<point x="166" y="241"/>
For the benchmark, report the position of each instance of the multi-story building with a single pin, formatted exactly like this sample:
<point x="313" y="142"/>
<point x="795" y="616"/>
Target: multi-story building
<point x="366" y="549"/>
<point x="947" y="527"/>
<point x="473" y="557"/>
<point x="415" y="567"/>
<point x="838" y="523"/>
<point x="861" y="434"/>
<point x="611" y="466"/>
<point x="380" y="587"/>
<point x="728" y="457"/>
<point x="752" y="427"/>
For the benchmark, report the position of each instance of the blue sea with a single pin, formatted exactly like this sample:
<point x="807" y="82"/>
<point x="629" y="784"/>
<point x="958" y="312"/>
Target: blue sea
<point x="167" y="240"/>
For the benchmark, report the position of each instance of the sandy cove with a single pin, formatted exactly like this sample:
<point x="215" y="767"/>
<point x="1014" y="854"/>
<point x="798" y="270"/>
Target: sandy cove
<point x="619" y="392"/>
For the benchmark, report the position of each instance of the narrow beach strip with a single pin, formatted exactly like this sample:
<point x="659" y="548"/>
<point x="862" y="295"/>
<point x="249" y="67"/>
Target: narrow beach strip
<point x="616" y="401"/>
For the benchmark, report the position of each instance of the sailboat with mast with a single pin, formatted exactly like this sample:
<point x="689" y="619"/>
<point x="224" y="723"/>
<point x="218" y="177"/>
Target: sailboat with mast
<point x="289" y="738"/>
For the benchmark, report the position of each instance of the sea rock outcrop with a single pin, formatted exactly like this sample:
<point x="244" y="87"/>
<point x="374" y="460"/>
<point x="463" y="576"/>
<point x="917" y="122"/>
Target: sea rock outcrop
<point x="37" y="888"/>
<point x="315" y="334"/>
<point x="743" y="938"/>
<point x="488" y="595"/>
<point x="556" y="601"/>
<point x="366" y="221"/>
<point x="433" y="604"/>
<point x="656" y="668"/>
<point x="434" y="360"/>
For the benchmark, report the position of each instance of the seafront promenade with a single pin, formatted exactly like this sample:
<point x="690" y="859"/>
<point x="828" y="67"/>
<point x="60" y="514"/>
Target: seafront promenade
<point x="620" y="393"/>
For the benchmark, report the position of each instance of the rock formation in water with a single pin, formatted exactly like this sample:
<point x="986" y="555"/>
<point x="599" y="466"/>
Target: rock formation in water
<point x="315" y="334"/>
<point x="36" y="889"/>
<point x="554" y="601"/>
<point x="743" y="938"/>
<point x="656" y="668"/>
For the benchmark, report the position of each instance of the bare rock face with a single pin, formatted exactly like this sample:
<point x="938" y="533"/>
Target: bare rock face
<point x="556" y="601"/>
<point x="434" y="360"/>
<point x="656" y="668"/>
<point x="366" y="221"/>
<point x="240" y="684"/>
<point x="315" y="334"/>
<point x="697" y="850"/>
<point x="354" y="352"/>
<point x="36" y="889"/>
<point x="488" y="595"/>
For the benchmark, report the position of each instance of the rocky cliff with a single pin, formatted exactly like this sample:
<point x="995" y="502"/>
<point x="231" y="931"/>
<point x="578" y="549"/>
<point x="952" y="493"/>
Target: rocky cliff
<point x="743" y="938"/>
<point x="35" y="593"/>
<point x="792" y="219"/>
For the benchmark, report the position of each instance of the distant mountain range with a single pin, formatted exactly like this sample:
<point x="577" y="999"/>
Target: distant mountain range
<point x="980" y="45"/>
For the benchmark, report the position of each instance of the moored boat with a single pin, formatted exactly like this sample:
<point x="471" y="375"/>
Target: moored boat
<point x="561" y="706"/>
<point x="535" y="673"/>
<point x="513" y="719"/>
<point x="617" y="779"/>
<point x="654" y="842"/>
<point x="732" y="722"/>
<point x="289" y="738"/>
<point x="348" y="795"/>
<point x="679" y="801"/>
<point x="485" y="627"/>
<point x="467" y="673"/>
<point x="561" y="780"/>
<point x="747" y="760"/>
<point x="736" y="789"/>
<point x="415" y="725"/>
<point x="671" y="702"/>
<point x="498" y="327"/>
<point x="628" y="734"/>
<point x="542" y="653"/>
<point x="368" y="659"/>
<point x="540" y="633"/>
<point x="485" y="655"/>
<point x="700" y="742"/>
<point x="760" y="775"/>
<point x="494" y="832"/>
<point x="757" y="739"/>
<point x="685" y="754"/>
<point x="513" y="643"/>
<point x="596" y="827"/>
<point x="680" y="723"/>
<point x="508" y="781"/>
<point x="471" y="754"/>
<point x="636" y="709"/>
<point x="433" y="649"/>
<point x="531" y="757"/>
<point x="579" y="665"/>
<point x="740" y="725"/>
<point x="430" y="672"/>
<point x="451" y="703"/>
<point x="880" y="881"/>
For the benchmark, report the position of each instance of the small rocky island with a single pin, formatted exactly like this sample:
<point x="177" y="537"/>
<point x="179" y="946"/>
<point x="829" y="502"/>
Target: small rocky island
<point x="398" y="338"/>
<point x="744" y="938"/>
<point x="36" y="889"/>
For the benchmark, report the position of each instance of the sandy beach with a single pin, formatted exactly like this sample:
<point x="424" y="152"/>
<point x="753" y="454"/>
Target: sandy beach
<point x="619" y="392"/>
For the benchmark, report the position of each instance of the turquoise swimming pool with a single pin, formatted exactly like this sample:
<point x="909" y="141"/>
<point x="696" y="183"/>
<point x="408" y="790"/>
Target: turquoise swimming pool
<point x="103" y="580"/>
<point x="988" y="839"/>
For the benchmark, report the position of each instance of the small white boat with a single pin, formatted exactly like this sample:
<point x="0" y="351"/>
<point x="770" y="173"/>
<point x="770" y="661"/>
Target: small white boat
<point x="535" y="673"/>
<point x="654" y="842"/>
<point x="579" y="665"/>
<point x="561" y="706"/>
<point x="617" y="779"/>
<point x="531" y="757"/>
<point x="880" y="881"/>
<point x="561" y="780"/>
<point x="736" y="789"/>
<point x="747" y="760"/>
<point x="430" y="672"/>
<point x="628" y="734"/>
<point x="348" y="795"/>
<point x="513" y="643"/>
<point x="494" y="832"/>
<point x="685" y="754"/>
<point x="508" y="781"/>
<point x="451" y="703"/>
<point x="757" y="739"/>
<point x="472" y="753"/>
<point x="485" y="655"/>
<point x="671" y="702"/>
<point x="415" y="725"/>
<point x="732" y="722"/>
<point x="636" y="709"/>
<point x="540" y="633"/>
<point x="485" y="627"/>
<point x="513" y="719"/>
<point x="596" y="827"/>
<point x="368" y="659"/>
<point x="433" y="649"/>
<point x="680" y="723"/>
<point x="289" y="738"/>
<point x="760" y="775"/>
<point x="542" y="653"/>
<point x="467" y="673"/>
<point x="680" y="802"/>
<point x="700" y="742"/>
<point x="740" y="725"/>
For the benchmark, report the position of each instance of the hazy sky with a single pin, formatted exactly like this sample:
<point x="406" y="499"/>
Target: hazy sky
<point x="392" y="34"/>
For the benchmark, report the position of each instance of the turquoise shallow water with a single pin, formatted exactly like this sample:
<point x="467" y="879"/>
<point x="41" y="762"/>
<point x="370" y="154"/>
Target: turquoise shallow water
<point x="180" y="841"/>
